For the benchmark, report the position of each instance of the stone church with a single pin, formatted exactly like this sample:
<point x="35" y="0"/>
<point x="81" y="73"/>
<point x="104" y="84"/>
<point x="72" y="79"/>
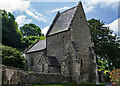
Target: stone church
<point x="66" y="49"/>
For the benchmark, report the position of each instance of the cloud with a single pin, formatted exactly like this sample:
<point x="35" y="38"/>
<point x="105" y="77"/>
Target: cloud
<point x="13" y="5"/>
<point x="114" y="26"/>
<point x="36" y="15"/>
<point x="45" y="29"/>
<point x="90" y="6"/>
<point x="58" y="9"/>
<point x="21" y="5"/>
<point x="21" y="20"/>
<point x="73" y="0"/>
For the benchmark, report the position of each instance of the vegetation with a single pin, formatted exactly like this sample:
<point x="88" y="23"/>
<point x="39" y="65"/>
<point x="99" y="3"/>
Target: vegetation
<point x="31" y="30"/>
<point x="15" y="40"/>
<point x="105" y="44"/>
<point x="31" y="33"/>
<point x="12" y="57"/>
<point x="28" y="41"/>
<point x="11" y="35"/>
<point x="115" y="76"/>
<point x="72" y="84"/>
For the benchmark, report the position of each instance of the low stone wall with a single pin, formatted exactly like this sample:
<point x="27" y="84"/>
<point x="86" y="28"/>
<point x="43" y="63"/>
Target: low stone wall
<point x="45" y="78"/>
<point x="11" y="75"/>
<point x="15" y="76"/>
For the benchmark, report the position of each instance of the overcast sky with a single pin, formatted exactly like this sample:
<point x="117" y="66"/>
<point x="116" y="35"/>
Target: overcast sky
<point x="42" y="12"/>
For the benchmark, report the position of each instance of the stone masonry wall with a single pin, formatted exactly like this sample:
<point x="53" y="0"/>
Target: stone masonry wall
<point x="58" y="45"/>
<point x="38" y="60"/>
<point x="45" y="79"/>
<point x="11" y="75"/>
<point x="80" y="53"/>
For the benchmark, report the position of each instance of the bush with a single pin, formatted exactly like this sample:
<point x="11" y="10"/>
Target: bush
<point x="115" y="76"/>
<point x="12" y="57"/>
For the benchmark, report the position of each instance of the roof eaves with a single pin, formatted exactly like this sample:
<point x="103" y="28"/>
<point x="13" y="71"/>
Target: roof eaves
<point x="34" y="51"/>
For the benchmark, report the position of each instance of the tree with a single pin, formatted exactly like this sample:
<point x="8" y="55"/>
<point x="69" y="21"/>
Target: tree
<point x="31" y="34"/>
<point x="105" y="44"/>
<point x="31" y="30"/>
<point x="12" y="57"/>
<point x="11" y="35"/>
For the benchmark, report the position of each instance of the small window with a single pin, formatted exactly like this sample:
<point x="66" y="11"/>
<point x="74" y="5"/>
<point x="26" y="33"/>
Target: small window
<point x="57" y="36"/>
<point x="42" y="67"/>
<point x="81" y="62"/>
<point x="31" y="61"/>
<point x="63" y="39"/>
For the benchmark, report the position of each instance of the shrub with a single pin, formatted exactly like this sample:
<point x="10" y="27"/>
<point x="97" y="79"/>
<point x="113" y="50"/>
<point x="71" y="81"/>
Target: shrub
<point x="12" y="57"/>
<point x="115" y="76"/>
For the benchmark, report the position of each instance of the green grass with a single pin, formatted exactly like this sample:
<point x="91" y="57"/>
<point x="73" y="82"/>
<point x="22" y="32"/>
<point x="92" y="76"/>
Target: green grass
<point x="71" y="84"/>
<point x="48" y="85"/>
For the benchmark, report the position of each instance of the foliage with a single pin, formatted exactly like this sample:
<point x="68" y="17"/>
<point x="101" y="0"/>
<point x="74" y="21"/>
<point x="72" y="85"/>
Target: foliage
<point x="11" y="35"/>
<point x="115" y="76"/>
<point x="20" y="39"/>
<point x="31" y="30"/>
<point x="102" y="64"/>
<point x="28" y="41"/>
<point x="30" y="72"/>
<point x="12" y="57"/>
<point x="31" y="34"/>
<point x="105" y="44"/>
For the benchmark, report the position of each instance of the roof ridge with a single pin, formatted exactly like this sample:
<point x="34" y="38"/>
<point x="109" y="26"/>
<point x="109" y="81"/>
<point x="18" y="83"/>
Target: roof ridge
<point x="68" y="9"/>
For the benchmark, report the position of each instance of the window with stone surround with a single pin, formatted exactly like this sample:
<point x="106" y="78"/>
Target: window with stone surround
<point x="57" y="36"/>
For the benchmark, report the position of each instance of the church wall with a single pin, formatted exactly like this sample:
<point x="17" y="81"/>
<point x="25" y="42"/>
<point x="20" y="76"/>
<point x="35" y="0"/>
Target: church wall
<point x="16" y="77"/>
<point x="36" y="62"/>
<point x="74" y="67"/>
<point x="58" y="45"/>
<point x="55" y="70"/>
<point x="80" y="34"/>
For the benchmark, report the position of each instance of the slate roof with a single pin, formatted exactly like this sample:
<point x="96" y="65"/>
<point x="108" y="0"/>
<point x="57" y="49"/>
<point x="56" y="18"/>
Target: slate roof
<point x="52" y="61"/>
<point x="39" y="45"/>
<point x="62" y="21"/>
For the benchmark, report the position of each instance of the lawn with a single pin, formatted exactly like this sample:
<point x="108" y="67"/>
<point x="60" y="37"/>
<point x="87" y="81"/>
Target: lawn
<point x="48" y="85"/>
<point x="71" y="84"/>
